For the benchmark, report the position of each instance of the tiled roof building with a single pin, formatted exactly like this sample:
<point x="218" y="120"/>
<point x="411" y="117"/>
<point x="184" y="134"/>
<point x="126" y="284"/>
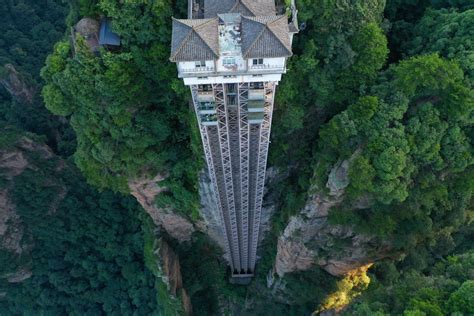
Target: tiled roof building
<point x="232" y="54"/>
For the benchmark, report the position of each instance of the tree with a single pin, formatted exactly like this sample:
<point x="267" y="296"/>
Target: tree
<point x="434" y="290"/>
<point x="84" y="248"/>
<point x="462" y="300"/>
<point x="130" y="114"/>
<point x="446" y="32"/>
<point x="399" y="141"/>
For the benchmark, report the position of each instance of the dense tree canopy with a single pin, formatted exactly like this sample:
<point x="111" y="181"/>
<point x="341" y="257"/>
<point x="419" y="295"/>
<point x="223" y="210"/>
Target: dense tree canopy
<point x="444" y="289"/>
<point x="401" y="118"/>
<point x="337" y="56"/>
<point x="29" y="30"/>
<point x="447" y="32"/>
<point x="406" y="130"/>
<point x="87" y="247"/>
<point x="413" y="130"/>
<point x="130" y="113"/>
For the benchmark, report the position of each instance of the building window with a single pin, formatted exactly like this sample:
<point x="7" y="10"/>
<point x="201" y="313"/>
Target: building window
<point x="257" y="75"/>
<point x="200" y="78"/>
<point x="229" y="61"/>
<point x="201" y="64"/>
<point x="205" y="87"/>
<point x="256" y="85"/>
<point x="258" y="61"/>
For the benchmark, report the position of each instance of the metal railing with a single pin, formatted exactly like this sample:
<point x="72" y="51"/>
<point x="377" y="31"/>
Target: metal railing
<point x="197" y="70"/>
<point x="206" y="106"/>
<point x="266" y="66"/>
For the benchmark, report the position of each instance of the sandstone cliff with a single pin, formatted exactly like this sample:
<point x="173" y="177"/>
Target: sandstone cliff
<point x="14" y="161"/>
<point x="21" y="154"/>
<point x="146" y="191"/>
<point x="16" y="85"/>
<point x="310" y="240"/>
<point x="164" y="264"/>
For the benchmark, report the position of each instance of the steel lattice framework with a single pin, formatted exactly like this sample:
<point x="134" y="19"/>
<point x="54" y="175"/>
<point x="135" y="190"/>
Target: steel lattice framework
<point x="236" y="150"/>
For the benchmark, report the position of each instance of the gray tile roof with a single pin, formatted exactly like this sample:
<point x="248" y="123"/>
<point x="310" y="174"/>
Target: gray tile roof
<point x="245" y="7"/>
<point x="293" y="28"/>
<point x="194" y="40"/>
<point x="265" y="37"/>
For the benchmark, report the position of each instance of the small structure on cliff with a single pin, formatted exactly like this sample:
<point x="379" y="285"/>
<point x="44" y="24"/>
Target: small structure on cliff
<point x="96" y="34"/>
<point x="88" y="28"/>
<point x="107" y="38"/>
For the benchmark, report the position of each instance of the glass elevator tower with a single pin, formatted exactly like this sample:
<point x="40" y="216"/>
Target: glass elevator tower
<point x="232" y="54"/>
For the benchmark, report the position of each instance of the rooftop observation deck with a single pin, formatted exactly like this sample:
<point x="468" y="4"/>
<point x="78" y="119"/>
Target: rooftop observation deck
<point x="234" y="35"/>
<point x="230" y="44"/>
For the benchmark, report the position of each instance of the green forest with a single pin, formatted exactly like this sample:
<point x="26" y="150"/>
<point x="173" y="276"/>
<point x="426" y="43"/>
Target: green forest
<point x="384" y="85"/>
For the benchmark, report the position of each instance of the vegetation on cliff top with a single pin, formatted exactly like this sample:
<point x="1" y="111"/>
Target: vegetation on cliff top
<point x="85" y="248"/>
<point x="130" y="113"/>
<point x="404" y="123"/>
<point x="29" y="30"/>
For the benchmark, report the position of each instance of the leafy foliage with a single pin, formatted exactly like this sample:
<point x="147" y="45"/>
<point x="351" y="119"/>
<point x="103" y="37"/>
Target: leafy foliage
<point x="413" y="132"/>
<point x="447" y="32"/>
<point x="405" y="128"/>
<point x="407" y="131"/>
<point x="129" y="111"/>
<point x="29" y="30"/>
<point x="87" y="248"/>
<point x="444" y="289"/>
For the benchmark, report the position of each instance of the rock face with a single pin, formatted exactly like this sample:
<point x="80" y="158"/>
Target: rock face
<point x="269" y="202"/>
<point x="89" y="29"/>
<point x="16" y="85"/>
<point x="145" y="191"/>
<point x="171" y="267"/>
<point x="13" y="162"/>
<point x="18" y="276"/>
<point x="309" y="239"/>
<point x="11" y="230"/>
<point x="211" y="221"/>
<point x="169" y="270"/>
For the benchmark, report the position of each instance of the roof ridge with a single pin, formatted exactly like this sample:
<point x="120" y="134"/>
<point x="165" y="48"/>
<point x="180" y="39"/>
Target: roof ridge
<point x="245" y="5"/>
<point x="202" y="39"/>
<point x="272" y="31"/>
<point x="256" y="38"/>
<point x="258" y="18"/>
<point x="204" y="23"/>
<point x="183" y="42"/>
<point x="267" y="25"/>
<point x="192" y="29"/>
<point x="236" y="3"/>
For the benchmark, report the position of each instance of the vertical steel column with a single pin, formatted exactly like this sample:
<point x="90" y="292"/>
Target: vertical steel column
<point x="265" y="129"/>
<point x="236" y="153"/>
<point x="205" y="137"/>
<point x="224" y="144"/>
<point x="244" y="172"/>
<point x="254" y="143"/>
<point x="233" y="128"/>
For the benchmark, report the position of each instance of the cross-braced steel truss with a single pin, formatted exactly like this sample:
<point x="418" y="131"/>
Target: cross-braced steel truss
<point x="236" y="150"/>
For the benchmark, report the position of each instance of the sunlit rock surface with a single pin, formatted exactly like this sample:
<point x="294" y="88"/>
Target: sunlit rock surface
<point x="310" y="240"/>
<point x="146" y="191"/>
